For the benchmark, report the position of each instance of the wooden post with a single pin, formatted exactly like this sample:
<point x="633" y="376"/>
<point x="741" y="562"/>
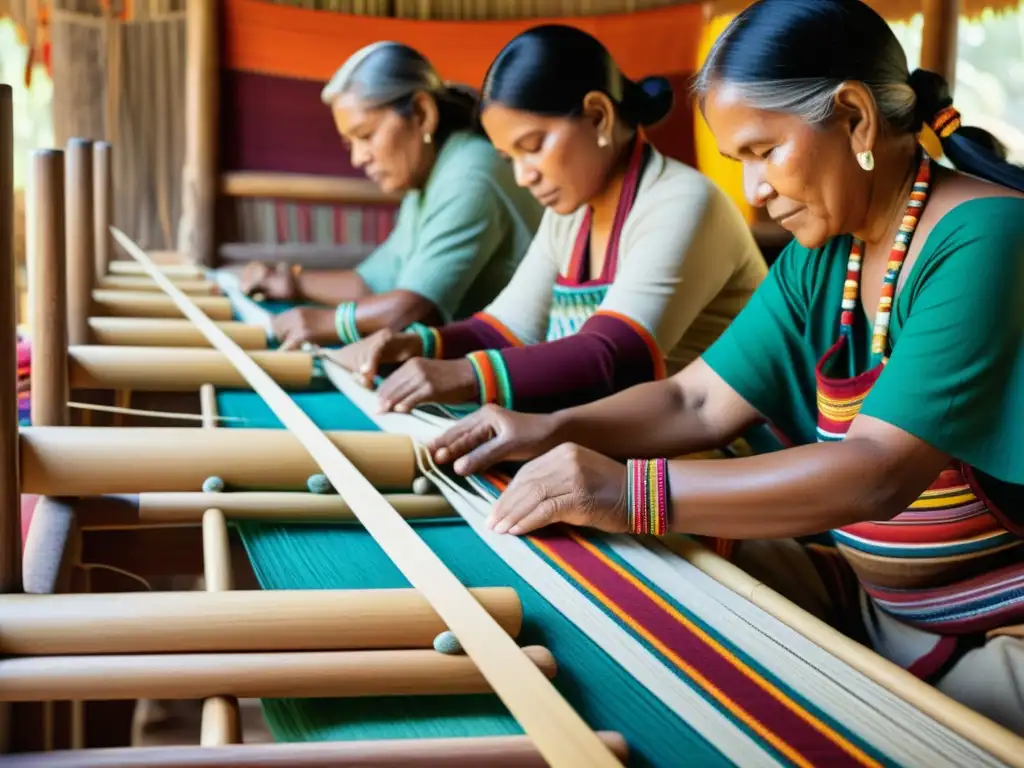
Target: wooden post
<point x="47" y="280"/>
<point x="103" y="203"/>
<point x="80" y="240"/>
<point x="202" y="75"/>
<point x="939" y="38"/>
<point x="10" y="496"/>
<point x="10" y="499"/>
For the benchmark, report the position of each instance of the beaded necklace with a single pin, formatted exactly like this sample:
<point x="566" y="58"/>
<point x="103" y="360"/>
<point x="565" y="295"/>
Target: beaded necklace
<point x="898" y="254"/>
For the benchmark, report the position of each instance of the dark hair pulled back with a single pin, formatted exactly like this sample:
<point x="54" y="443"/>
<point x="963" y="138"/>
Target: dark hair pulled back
<point x="549" y="69"/>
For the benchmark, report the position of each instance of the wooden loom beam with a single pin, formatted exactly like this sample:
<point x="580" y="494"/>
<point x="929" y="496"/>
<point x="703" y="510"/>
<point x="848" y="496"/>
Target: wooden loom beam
<point x="492" y="751"/>
<point x="559" y="733"/>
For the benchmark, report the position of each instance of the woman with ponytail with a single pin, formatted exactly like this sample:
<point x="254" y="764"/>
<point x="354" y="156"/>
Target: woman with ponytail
<point x="640" y="262"/>
<point x="463" y="225"/>
<point x="886" y="345"/>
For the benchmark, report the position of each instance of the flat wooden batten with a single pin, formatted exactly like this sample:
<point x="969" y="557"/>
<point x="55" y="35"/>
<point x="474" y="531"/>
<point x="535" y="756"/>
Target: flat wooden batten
<point x="96" y="461"/>
<point x="119" y="303"/>
<point x="177" y="369"/>
<point x="190" y="285"/>
<point x="560" y="734"/>
<point x="490" y="751"/>
<point x="168" y="332"/>
<point x="304" y="675"/>
<point x="237" y="621"/>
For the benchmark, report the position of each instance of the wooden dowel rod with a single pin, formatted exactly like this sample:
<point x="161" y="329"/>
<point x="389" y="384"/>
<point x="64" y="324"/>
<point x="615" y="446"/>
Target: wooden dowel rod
<point x="312" y="674"/>
<point x="47" y="279"/>
<point x="560" y="733"/>
<point x="103" y="204"/>
<point x="148" y="304"/>
<point x="308" y="187"/>
<point x="10" y="506"/>
<point x="168" y="332"/>
<point x="246" y="620"/>
<point x="190" y="285"/>
<point x="220" y="721"/>
<point x="172" y="270"/>
<point x="280" y="507"/>
<point x="490" y="751"/>
<point x="95" y="461"/>
<point x="976" y="728"/>
<point x="80" y="238"/>
<point x="177" y="369"/>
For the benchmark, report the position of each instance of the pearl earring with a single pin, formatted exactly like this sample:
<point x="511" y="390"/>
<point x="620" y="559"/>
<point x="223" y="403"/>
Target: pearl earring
<point x="427" y="138"/>
<point x="866" y="160"/>
<point x="602" y="142"/>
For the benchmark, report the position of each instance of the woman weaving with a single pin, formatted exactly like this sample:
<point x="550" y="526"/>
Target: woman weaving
<point x="639" y="263"/>
<point x="887" y="344"/>
<point x="462" y="227"/>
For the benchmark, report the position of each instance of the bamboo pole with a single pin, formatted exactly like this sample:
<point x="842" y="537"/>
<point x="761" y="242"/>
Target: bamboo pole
<point x="202" y="76"/>
<point x="95" y="461"/>
<point x="168" y="332"/>
<point x="103" y="204"/>
<point x="561" y="735"/>
<point x="10" y="506"/>
<point x="312" y="674"/>
<point x="80" y="238"/>
<point x="233" y="621"/>
<point x="47" y="278"/>
<point x="160" y="510"/>
<point x="939" y="37"/>
<point x="170" y="369"/>
<point x="491" y="751"/>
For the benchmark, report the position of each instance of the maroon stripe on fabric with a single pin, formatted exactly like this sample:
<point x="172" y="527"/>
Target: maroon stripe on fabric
<point x="278" y="124"/>
<point x="340" y="226"/>
<point x="304" y="221"/>
<point x="460" y="338"/>
<point x="284" y="234"/>
<point x="725" y="674"/>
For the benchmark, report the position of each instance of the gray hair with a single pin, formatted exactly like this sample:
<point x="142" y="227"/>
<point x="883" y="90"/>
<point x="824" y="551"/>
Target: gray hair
<point x="382" y="73"/>
<point x="812" y="99"/>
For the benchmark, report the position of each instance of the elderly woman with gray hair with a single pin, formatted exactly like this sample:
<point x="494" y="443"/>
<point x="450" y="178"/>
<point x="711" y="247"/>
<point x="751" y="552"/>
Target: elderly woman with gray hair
<point x="462" y="227"/>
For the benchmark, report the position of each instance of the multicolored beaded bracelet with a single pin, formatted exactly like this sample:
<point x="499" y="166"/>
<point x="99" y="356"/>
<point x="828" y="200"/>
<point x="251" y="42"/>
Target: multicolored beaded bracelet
<point x="430" y="338"/>
<point x="345" y="323"/>
<point x="647" y="496"/>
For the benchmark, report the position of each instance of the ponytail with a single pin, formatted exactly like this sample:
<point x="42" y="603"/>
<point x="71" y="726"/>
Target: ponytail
<point x="971" y="150"/>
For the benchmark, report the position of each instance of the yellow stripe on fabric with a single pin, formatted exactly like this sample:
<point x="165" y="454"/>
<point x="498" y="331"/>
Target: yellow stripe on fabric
<point x="926" y="502"/>
<point x="706" y="684"/>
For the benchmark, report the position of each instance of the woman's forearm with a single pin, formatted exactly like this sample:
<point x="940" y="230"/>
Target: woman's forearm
<point x="797" y="492"/>
<point x="394" y="310"/>
<point x="331" y="287"/>
<point x="660" y="418"/>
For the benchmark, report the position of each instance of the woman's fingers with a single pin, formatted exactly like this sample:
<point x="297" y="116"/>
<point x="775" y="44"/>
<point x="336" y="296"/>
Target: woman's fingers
<point x="453" y="445"/>
<point x="396" y="388"/>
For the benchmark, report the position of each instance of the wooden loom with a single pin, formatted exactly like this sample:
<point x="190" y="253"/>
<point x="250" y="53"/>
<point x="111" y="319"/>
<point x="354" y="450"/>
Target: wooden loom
<point x="77" y="463"/>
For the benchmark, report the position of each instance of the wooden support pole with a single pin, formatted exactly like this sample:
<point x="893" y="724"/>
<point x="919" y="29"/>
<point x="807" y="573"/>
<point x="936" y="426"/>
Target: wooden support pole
<point x="10" y="506"/>
<point x="47" y="281"/>
<point x="237" y="621"/>
<point x="491" y="751"/>
<point x="103" y="204"/>
<point x="939" y="37"/>
<point x="311" y="674"/>
<point x="202" y="76"/>
<point x="94" y="461"/>
<point x="80" y="238"/>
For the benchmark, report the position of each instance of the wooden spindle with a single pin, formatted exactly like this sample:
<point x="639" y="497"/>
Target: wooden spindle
<point x="80" y="242"/>
<point x="47" y="279"/>
<point x="103" y="204"/>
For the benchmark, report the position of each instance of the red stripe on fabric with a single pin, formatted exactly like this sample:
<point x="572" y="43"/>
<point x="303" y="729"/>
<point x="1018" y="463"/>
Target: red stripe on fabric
<point x="340" y="226"/>
<point x="903" y="530"/>
<point x="725" y="675"/>
<point x="284" y="234"/>
<point x="304" y="221"/>
<point x="932" y="662"/>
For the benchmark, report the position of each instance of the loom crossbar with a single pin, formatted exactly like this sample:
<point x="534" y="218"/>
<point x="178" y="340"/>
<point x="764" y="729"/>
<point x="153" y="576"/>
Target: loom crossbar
<point x="560" y="734"/>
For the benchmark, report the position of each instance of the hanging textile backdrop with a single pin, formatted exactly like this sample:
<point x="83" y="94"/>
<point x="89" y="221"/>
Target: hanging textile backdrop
<point x="276" y="58"/>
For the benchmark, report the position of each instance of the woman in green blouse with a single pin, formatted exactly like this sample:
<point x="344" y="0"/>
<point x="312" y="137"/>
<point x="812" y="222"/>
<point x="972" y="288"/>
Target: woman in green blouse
<point x="463" y="225"/>
<point x="886" y="346"/>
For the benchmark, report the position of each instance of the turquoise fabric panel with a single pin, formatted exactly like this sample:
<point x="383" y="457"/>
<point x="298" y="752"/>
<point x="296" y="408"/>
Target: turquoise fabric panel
<point x="345" y="557"/>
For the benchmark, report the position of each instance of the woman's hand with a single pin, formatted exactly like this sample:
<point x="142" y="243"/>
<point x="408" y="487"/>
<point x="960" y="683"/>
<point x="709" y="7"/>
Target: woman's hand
<point x="277" y="282"/>
<point x="492" y="435"/>
<point x="302" y="324"/>
<point x="367" y="355"/>
<point x="422" y="380"/>
<point x="569" y="484"/>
